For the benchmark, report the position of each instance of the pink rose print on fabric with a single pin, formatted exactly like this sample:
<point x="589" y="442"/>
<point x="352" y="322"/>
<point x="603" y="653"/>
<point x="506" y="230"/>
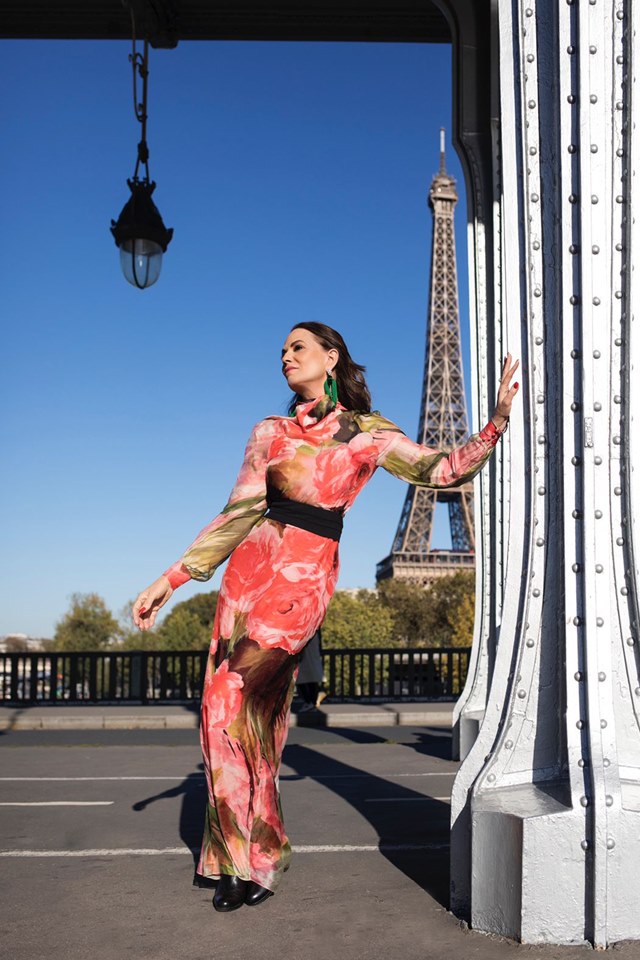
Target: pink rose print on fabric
<point x="363" y="449"/>
<point x="261" y="862"/>
<point x="289" y="611"/>
<point x="223" y="697"/>
<point x="224" y="622"/>
<point x="250" y="568"/>
<point x="233" y="779"/>
<point x="283" y="448"/>
<point x="331" y="467"/>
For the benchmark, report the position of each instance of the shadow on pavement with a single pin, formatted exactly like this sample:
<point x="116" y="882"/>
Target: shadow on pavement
<point x="5" y="730"/>
<point x="429" y="741"/>
<point x="395" y="823"/>
<point x="18" y="710"/>
<point x="386" y="805"/>
<point x="324" y="734"/>
<point x="194" y="793"/>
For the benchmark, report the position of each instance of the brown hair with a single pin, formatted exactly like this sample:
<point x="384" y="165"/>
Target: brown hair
<point x="353" y="392"/>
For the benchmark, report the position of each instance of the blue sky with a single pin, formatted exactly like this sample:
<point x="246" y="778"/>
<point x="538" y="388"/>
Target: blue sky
<point x="295" y="177"/>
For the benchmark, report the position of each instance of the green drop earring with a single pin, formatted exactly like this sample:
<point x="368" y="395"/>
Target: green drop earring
<point x="331" y="388"/>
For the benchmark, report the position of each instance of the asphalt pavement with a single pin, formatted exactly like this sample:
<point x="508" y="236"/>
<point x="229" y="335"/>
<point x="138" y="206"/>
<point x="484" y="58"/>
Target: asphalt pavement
<point x="100" y="828"/>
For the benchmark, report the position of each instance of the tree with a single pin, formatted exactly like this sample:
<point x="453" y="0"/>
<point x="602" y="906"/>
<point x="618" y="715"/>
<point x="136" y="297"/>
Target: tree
<point x="187" y="627"/>
<point x="87" y="625"/>
<point x="182" y="630"/>
<point x="462" y="635"/>
<point x="203" y="606"/>
<point x="359" y="620"/>
<point x="409" y="605"/>
<point x="440" y="615"/>
<point x="129" y="637"/>
<point x="20" y="643"/>
<point x="133" y="639"/>
<point x="451" y="609"/>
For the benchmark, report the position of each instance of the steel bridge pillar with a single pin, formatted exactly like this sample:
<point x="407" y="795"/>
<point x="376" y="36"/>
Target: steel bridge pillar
<point x="546" y="806"/>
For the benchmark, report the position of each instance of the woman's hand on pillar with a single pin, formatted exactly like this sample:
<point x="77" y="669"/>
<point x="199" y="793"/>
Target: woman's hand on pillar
<point x="506" y="392"/>
<point x="145" y="609"/>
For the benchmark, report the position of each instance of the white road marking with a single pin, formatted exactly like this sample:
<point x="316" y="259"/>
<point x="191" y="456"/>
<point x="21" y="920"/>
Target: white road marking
<point x="118" y="852"/>
<point x="364" y="776"/>
<point x="190" y="776"/>
<point x="184" y="851"/>
<point x="401" y="799"/>
<point x="62" y="803"/>
<point x="200" y="776"/>
<point x="369" y="847"/>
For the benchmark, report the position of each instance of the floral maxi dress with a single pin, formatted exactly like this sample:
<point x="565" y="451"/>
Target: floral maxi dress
<point x="273" y="597"/>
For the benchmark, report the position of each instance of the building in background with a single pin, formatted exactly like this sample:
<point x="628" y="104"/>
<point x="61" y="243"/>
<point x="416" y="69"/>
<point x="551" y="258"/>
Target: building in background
<point x="21" y="643"/>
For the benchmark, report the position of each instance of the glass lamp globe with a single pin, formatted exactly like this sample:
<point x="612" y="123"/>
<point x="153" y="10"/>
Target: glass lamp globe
<point x="141" y="262"/>
<point x="141" y="236"/>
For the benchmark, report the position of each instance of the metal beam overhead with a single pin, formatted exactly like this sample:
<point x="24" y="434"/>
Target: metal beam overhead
<point x="417" y="21"/>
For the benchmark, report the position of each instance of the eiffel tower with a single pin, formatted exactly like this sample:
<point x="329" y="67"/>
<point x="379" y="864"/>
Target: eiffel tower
<point x="443" y="414"/>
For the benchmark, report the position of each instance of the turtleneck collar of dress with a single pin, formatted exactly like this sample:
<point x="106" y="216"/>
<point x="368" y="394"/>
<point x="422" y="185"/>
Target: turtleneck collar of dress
<point x="309" y="412"/>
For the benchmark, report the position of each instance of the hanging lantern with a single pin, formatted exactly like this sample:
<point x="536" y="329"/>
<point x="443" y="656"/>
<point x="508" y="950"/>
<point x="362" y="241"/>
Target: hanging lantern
<point x="139" y="231"/>
<point x="141" y="235"/>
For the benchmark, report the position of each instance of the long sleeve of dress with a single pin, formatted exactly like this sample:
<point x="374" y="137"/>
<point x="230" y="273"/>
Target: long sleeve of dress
<point x="424" y="466"/>
<point x="246" y="504"/>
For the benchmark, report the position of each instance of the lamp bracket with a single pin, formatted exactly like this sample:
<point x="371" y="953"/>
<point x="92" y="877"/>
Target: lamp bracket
<point x="157" y="20"/>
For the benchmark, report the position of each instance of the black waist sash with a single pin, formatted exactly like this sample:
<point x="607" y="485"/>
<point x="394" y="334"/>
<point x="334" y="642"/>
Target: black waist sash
<point x="318" y="520"/>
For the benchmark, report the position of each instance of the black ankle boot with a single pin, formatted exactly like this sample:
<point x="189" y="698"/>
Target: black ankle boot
<point x="229" y="894"/>
<point x="256" y="894"/>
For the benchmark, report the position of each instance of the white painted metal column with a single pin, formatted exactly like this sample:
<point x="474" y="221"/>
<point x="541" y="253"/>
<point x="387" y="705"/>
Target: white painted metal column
<point x="478" y="147"/>
<point x="546" y="807"/>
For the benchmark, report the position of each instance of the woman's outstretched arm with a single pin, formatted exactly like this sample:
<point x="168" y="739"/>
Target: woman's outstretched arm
<point x="427" y="467"/>
<point x="246" y="504"/>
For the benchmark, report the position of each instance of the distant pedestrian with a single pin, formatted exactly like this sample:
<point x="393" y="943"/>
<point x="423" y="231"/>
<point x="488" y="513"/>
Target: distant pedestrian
<point x="281" y="528"/>
<point x="311" y="673"/>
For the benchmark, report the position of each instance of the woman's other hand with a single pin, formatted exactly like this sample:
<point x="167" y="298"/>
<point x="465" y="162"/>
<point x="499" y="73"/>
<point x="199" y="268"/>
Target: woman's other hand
<point x="506" y="393"/>
<point x="145" y="609"/>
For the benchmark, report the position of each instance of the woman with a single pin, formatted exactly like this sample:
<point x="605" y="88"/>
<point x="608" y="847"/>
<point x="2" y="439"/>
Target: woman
<point x="281" y="528"/>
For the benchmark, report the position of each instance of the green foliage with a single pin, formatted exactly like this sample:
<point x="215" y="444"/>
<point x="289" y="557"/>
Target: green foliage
<point x="410" y="606"/>
<point x="87" y="625"/>
<point x="359" y="620"/>
<point x="203" y="606"/>
<point x="134" y="639"/>
<point x="438" y="616"/>
<point x="187" y="627"/>
<point x="182" y="630"/>
<point x="130" y="638"/>
<point x="397" y="614"/>
<point x="452" y="605"/>
<point x="402" y="614"/>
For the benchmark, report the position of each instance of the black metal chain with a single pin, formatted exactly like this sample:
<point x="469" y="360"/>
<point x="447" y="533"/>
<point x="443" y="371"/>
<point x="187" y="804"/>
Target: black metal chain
<point x="140" y="64"/>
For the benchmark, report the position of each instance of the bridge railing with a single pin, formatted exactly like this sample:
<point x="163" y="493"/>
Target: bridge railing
<point x="366" y="673"/>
